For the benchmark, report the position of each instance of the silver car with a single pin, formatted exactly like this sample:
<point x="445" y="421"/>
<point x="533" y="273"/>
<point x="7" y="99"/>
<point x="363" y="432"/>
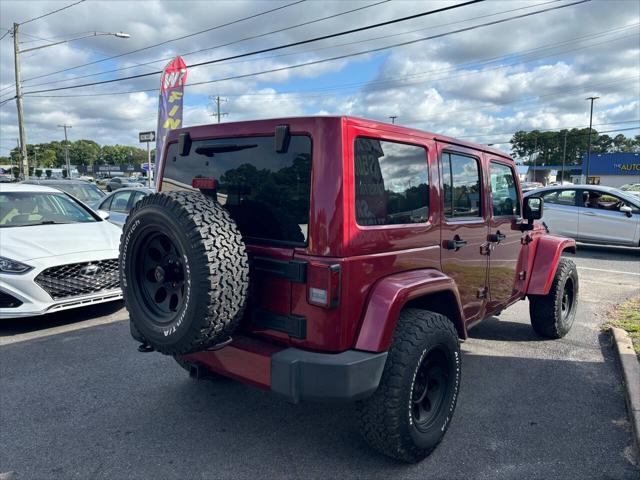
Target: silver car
<point x="118" y="204"/>
<point x="591" y="214"/>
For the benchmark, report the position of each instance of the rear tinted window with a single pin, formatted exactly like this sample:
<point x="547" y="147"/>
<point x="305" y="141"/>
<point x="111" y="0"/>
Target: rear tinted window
<point x="392" y="185"/>
<point x="267" y="193"/>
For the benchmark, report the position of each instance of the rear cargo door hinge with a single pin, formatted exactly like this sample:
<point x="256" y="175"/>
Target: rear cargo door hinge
<point x="482" y="292"/>
<point x="522" y="275"/>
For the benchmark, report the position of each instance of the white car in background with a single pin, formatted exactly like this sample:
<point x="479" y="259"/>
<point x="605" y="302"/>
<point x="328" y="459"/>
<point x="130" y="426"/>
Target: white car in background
<point x="55" y="253"/>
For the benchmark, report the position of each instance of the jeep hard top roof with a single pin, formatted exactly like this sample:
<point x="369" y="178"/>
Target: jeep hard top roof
<point x="266" y="126"/>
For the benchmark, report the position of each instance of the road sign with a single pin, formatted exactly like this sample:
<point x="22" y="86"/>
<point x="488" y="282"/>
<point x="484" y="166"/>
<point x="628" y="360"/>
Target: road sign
<point x="147" y="137"/>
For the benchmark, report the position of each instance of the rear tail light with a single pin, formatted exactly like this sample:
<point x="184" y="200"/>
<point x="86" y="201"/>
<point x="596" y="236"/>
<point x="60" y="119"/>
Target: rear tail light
<point x="202" y="183"/>
<point x="323" y="284"/>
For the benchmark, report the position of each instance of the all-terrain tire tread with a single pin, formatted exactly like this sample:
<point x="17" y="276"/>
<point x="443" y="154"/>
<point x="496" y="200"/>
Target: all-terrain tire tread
<point x="380" y="415"/>
<point x="223" y="262"/>
<point x="544" y="310"/>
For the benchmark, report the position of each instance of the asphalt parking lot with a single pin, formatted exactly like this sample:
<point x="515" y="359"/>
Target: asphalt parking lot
<point x="78" y="401"/>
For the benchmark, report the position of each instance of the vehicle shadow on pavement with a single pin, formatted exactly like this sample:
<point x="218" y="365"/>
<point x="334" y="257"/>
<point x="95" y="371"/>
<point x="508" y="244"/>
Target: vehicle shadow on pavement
<point x="493" y="328"/>
<point x="15" y="326"/>
<point x="131" y="415"/>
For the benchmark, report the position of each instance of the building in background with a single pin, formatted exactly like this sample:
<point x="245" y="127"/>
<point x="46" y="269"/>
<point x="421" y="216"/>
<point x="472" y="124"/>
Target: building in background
<point x="612" y="169"/>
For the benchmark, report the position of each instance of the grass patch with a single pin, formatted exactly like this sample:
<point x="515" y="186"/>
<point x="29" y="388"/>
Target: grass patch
<point x="627" y="317"/>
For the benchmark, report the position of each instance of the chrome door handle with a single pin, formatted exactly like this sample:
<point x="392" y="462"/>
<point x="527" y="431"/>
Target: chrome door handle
<point x="589" y="214"/>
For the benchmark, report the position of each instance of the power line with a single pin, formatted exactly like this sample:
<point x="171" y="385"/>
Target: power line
<point x="381" y="84"/>
<point x="474" y="27"/>
<point x="148" y="47"/>
<point x="95" y="74"/>
<point x="51" y="13"/>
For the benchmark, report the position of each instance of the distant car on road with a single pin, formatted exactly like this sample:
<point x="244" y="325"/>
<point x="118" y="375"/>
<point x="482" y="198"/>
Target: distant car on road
<point x="84" y="191"/>
<point x="5" y="178"/>
<point x="122" y="182"/>
<point x="56" y="253"/>
<point x="118" y="204"/>
<point x="591" y="214"/>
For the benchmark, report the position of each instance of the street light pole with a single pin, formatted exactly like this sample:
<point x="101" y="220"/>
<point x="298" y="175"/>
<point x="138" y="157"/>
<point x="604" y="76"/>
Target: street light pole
<point x="564" y="155"/>
<point x="23" y="142"/>
<point x="16" y="58"/>
<point x="589" y="145"/>
<point x="66" y="149"/>
<point x="393" y="119"/>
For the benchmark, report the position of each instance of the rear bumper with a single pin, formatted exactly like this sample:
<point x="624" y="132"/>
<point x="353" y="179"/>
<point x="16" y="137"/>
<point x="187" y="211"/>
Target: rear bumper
<point x="292" y="373"/>
<point x="341" y="377"/>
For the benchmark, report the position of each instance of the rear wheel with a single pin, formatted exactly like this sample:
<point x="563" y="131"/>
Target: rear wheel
<point x="552" y="315"/>
<point x="184" y="271"/>
<point x="409" y="413"/>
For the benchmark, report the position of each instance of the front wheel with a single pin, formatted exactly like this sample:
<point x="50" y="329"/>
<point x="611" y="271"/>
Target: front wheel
<point x="552" y="315"/>
<point x="409" y="413"/>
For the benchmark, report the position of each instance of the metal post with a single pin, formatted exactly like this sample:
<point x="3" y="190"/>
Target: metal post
<point x="23" y="140"/>
<point x="66" y="149"/>
<point x="589" y="145"/>
<point x="564" y="155"/>
<point x="218" y="104"/>
<point x="148" y="165"/>
<point x="393" y="119"/>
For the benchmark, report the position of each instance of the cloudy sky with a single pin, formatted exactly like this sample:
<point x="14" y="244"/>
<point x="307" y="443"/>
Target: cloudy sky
<point x="482" y="84"/>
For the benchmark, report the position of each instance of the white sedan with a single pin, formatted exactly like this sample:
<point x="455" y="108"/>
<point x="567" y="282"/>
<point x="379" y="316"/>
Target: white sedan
<point x="55" y="253"/>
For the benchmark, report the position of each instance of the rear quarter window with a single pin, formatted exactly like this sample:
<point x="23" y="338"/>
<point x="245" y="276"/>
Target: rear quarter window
<point x="391" y="183"/>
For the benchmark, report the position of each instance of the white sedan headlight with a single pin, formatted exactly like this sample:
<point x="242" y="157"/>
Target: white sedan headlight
<point x="11" y="266"/>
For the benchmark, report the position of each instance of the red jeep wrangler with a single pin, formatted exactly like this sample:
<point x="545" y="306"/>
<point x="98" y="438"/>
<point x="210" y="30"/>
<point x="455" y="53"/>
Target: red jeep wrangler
<point x="338" y="259"/>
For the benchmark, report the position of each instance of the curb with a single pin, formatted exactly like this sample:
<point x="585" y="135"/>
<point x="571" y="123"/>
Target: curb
<point x="631" y="376"/>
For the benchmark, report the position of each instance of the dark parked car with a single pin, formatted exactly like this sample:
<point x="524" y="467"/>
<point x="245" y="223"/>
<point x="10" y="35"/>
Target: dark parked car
<point x="118" y="204"/>
<point x="354" y="283"/>
<point x="84" y="191"/>
<point x="122" y="182"/>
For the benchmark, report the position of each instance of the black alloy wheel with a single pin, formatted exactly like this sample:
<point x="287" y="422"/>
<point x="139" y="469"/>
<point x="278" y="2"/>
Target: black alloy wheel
<point x="161" y="276"/>
<point x="430" y="388"/>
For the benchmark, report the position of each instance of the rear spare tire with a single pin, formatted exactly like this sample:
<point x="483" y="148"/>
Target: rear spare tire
<point x="184" y="271"/>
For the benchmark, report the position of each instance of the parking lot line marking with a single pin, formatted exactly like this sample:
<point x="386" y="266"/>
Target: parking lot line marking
<point x="609" y="271"/>
<point x="48" y="332"/>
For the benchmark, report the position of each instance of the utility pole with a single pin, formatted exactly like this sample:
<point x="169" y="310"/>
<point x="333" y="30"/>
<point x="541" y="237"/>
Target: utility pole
<point x="564" y="155"/>
<point x="23" y="140"/>
<point x="217" y="100"/>
<point x="393" y="119"/>
<point x="16" y="57"/>
<point x="66" y="149"/>
<point x="589" y="145"/>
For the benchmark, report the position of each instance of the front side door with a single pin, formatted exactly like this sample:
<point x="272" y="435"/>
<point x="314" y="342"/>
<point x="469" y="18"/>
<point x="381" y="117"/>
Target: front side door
<point x="561" y="212"/>
<point x="504" y="235"/>
<point x="601" y="220"/>
<point x="464" y="227"/>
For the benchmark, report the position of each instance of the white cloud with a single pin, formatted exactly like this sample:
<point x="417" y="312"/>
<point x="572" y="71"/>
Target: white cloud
<point x="449" y="84"/>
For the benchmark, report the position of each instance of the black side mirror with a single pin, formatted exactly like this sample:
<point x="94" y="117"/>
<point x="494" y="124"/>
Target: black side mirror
<point x="533" y="208"/>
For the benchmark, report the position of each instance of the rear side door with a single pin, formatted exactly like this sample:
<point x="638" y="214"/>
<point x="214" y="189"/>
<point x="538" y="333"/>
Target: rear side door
<point x="561" y="212"/>
<point x="504" y="234"/>
<point x="464" y="226"/>
<point x="602" y="221"/>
